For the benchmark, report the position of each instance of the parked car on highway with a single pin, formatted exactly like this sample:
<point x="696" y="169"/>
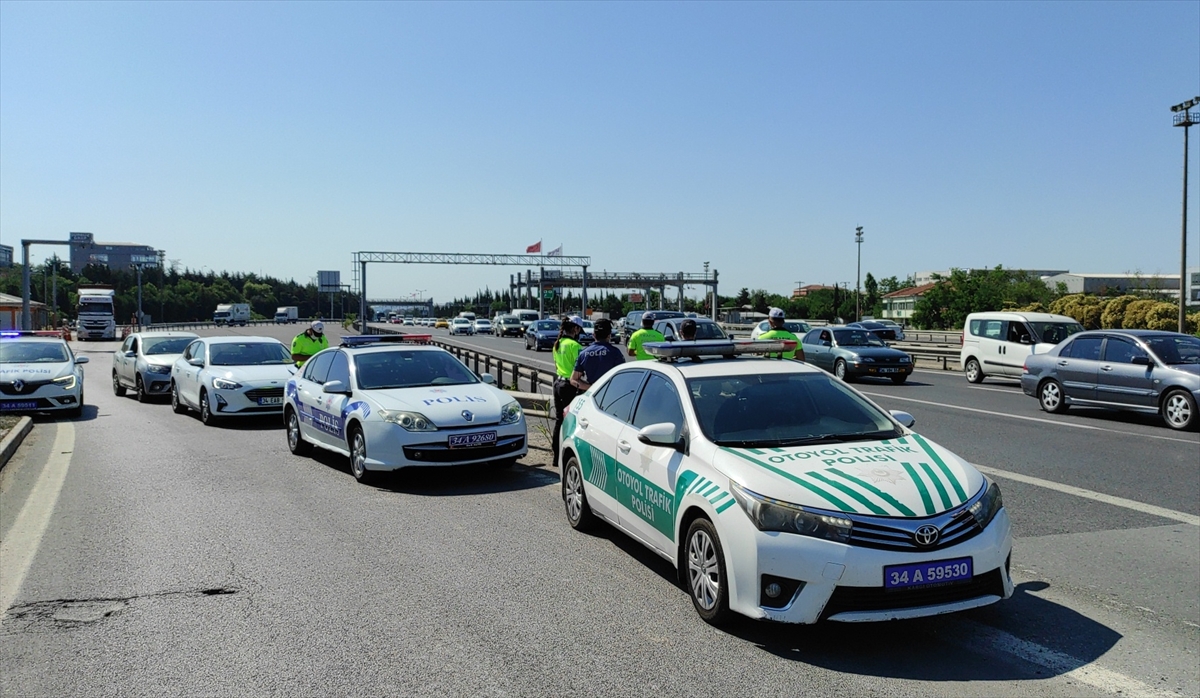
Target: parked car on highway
<point x="224" y="377"/>
<point x="541" y="334"/>
<point x="482" y="326"/>
<point x="850" y="353"/>
<point x="705" y="328"/>
<point x="461" y="325"/>
<point x="388" y="404"/>
<point x="830" y="509"/>
<point x="143" y="363"/>
<point x="633" y="321"/>
<point x="1140" y="370"/>
<point x="40" y="373"/>
<point x="508" y="326"/>
<point x="996" y="343"/>
<point x="796" y="327"/>
<point x="881" y="331"/>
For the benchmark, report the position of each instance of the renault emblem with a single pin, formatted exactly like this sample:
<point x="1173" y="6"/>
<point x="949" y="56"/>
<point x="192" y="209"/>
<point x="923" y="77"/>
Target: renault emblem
<point x="18" y="385"/>
<point x="926" y="535"/>
<point x="468" y="416"/>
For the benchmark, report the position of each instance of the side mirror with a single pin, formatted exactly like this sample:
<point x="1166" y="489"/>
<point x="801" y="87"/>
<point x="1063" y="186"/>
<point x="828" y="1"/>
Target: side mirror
<point x="130" y="354"/>
<point x="81" y="359"/>
<point x="488" y="379"/>
<point x="906" y="420"/>
<point x="335" y="387"/>
<point x="1141" y="361"/>
<point x="661" y="434"/>
<point x="198" y="363"/>
<point x="826" y="343"/>
<point x="1026" y="339"/>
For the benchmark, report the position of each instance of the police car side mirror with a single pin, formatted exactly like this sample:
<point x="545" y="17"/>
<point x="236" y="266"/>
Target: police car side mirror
<point x="488" y="378"/>
<point x="81" y="359"/>
<point x="661" y="434"/>
<point x="905" y="419"/>
<point x="336" y="388"/>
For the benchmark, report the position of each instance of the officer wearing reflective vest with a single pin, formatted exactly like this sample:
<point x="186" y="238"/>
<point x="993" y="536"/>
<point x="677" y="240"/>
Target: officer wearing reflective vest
<point x="778" y="331"/>
<point x="646" y="334"/>
<point x="566" y="352"/>
<point x="309" y="342"/>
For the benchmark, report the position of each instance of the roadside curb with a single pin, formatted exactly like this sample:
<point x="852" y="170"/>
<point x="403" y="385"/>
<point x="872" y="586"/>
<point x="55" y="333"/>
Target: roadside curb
<point x="13" y="439"/>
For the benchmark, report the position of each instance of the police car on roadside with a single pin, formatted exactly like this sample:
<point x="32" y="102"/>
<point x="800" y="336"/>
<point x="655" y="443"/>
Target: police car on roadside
<point x="780" y="492"/>
<point x="39" y="373"/>
<point x="390" y="402"/>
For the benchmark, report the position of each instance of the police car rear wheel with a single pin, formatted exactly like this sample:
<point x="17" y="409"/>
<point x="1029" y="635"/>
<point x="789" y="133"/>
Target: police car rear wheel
<point x="296" y="443"/>
<point x="177" y="406"/>
<point x="579" y="514"/>
<point x="358" y="457"/>
<point x="706" y="572"/>
<point x="118" y="389"/>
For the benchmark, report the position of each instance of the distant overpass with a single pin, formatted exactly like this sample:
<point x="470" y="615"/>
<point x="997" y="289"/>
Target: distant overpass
<point x="528" y="283"/>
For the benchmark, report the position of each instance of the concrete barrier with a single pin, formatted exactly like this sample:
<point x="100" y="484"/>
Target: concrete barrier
<point x="13" y="439"/>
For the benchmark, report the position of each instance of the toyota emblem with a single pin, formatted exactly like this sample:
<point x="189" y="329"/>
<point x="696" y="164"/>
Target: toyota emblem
<point x="18" y="385"/>
<point x="467" y="415"/>
<point x="926" y="535"/>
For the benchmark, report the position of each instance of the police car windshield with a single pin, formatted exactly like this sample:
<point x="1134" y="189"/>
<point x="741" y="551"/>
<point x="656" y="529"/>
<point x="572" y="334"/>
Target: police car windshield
<point x="773" y="410"/>
<point x="33" y="352"/>
<point x="410" y="369"/>
<point x="248" y="354"/>
<point x="856" y="338"/>
<point x="166" y="345"/>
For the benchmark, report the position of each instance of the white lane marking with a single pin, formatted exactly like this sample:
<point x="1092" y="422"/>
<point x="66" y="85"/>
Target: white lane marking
<point x="1028" y="419"/>
<point x="998" y="390"/>
<point x="1095" y="496"/>
<point x="986" y="640"/>
<point x="20" y="546"/>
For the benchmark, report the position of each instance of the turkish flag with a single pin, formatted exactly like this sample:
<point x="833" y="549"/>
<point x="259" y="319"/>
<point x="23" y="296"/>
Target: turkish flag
<point x="534" y="248"/>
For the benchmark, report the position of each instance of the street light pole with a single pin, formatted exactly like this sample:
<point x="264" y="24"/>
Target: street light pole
<point x="858" y="238"/>
<point x="1184" y="120"/>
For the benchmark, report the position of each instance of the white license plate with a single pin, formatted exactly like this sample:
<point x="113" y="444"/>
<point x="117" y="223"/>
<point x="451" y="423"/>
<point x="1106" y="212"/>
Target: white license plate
<point x="890" y="370"/>
<point x="480" y="438"/>
<point x="270" y="401"/>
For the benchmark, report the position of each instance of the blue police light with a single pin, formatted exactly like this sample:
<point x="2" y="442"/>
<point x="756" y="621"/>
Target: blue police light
<point x="717" y="347"/>
<point x="366" y="340"/>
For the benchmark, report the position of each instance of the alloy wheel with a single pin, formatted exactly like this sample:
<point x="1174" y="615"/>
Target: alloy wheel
<point x="704" y="574"/>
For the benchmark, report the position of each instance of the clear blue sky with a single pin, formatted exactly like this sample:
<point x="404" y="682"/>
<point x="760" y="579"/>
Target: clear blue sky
<point x="282" y="137"/>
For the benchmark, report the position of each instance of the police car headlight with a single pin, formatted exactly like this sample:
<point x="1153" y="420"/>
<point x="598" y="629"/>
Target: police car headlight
<point x="66" y="382"/>
<point x="773" y="515"/>
<point x="988" y="505"/>
<point x="153" y="368"/>
<point x="510" y="413"/>
<point x="223" y="384"/>
<point x="410" y="421"/>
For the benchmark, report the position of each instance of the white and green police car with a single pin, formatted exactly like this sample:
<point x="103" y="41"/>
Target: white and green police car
<point x="391" y="402"/>
<point x="39" y="373"/>
<point x="780" y="492"/>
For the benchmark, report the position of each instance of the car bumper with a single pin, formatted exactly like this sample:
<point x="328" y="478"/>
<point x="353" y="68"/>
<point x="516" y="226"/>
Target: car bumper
<point x="156" y="383"/>
<point x="245" y="401"/>
<point x="845" y="583"/>
<point x="869" y="371"/>
<point x="1029" y="383"/>
<point x="390" y="447"/>
<point x="49" y="398"/>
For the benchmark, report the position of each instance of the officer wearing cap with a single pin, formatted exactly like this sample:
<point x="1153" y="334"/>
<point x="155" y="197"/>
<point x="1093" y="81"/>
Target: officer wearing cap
<point x="597" y="358"/>
<point x="646" y="334"/>
<point x="309" y="342"/>
<point x="777" y="331"/>
<point x="566" y="352"/>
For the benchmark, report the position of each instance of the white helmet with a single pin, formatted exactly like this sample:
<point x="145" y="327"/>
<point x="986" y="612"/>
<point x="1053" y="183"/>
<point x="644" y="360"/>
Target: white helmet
<point x="318" y="326"/>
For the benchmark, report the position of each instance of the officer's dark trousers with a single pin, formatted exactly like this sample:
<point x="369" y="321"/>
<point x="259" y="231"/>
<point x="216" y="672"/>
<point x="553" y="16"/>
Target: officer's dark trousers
<point x="564" y="393"/>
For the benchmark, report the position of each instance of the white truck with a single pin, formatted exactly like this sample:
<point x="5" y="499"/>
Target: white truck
<point x="232" y="314"/>
<point x="289" y="314"/>
<point x="96" y="319"/>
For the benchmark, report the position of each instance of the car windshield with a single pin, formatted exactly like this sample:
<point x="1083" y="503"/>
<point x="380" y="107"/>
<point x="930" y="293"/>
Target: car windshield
<point x="166" y="345"/>
<point x="773" y="410"/>
<point x="709" y="330"/>
<point x="510" y="321"/>
<point x="33" y="353"/>
<point x="1174" y="349"/>
<point x="410" y="369"/>
<point x="856" y="338"/>
<point x="546" y="326"/>
<point x="95" y="308"/>
<point x="1055" y="332"/>
<point x="248" y="354"/>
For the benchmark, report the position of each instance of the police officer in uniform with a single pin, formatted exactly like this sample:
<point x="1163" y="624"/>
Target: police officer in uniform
<point x="566" y="352"/>
<point x="597" y="358"/>
<point x="778" y="331"/>
<point x="309" y="342"/>
<point x="646" y="334"/>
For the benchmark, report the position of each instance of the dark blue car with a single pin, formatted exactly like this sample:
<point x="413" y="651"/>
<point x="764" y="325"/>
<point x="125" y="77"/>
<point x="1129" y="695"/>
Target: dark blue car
<point x="541" y="334"/>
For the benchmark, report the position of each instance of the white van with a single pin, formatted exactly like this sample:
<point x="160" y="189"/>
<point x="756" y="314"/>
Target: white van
<point x="232" y="314"/>
<point x="996" y="344"/>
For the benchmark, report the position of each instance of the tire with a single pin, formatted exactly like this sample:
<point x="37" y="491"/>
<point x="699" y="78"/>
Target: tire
<point x="526" y="344"/>
<point x="206" y="415"/>
<point x="839" y="370"/>
<point x="177" y="405"/>
<point x="705" y="574"/>
<point x="1179" y="410"/>
<point x="76" y="412"/>
<point x="899" y="380"/>
<point x="118" y="389"/>
<point x="973" y="371"/>
<point x="1051" y="397"/>
<point x="296" y="443"/>
<point x="579" y="513"/>
<point x="358" y="457"/>
<point x="140" y="391"/>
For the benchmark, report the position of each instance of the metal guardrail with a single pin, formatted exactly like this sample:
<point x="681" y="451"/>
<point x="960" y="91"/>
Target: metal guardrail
<point x="208" y="324"/>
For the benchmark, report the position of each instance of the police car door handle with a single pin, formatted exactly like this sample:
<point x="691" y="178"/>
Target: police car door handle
<point x="624" y="446"/>
<point x="583" y="424"/>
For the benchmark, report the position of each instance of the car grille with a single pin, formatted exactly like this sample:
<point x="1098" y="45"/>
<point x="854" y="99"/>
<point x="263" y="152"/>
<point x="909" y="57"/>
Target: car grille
<point x="29" y="387"/>
<point x="850" y="599"/>
<point x="259" y="393"/>
<point x="871" y="533"/>
<point x="440" y="453"/>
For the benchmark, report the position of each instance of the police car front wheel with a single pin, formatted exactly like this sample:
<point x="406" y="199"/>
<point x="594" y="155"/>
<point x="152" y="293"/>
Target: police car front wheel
<point x="706" y="578"/>
<point x="296" y="443"/>
<point x="358" y="457"/>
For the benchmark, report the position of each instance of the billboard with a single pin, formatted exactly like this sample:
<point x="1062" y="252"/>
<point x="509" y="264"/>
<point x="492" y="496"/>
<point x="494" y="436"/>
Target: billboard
<point x="329" y="281"/>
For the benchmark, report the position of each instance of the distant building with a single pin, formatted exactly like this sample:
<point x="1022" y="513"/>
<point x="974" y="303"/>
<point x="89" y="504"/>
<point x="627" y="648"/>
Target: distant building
<point x="899" y="305"/>
<point x="6" y="256"/>
<point x="1117" y="284"/>
<point x="805" y="290"/>
<point x="926" y="277"/>
<point x="114" y="255"/>
<point x="10" y="313"/>
<point x="1193" y="295"/>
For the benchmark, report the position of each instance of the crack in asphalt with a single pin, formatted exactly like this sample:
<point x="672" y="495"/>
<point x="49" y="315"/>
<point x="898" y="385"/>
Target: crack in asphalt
<point x="67" y="614"/>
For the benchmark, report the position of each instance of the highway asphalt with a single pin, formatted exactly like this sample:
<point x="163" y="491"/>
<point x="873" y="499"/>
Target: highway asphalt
<point x="146" y="554"/>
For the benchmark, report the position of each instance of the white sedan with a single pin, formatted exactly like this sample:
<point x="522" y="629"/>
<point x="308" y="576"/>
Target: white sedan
<point x="390" y="402"/>
<point x="39" y="373"/>
<point x="781" y="493"/>
<point x="223" y="377"/>
<point x="461" y="325"/>
<point x="482" y="326"/>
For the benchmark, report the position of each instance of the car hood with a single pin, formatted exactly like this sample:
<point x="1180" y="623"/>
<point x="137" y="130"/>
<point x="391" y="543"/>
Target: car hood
<point x="243" y="374"/>
<point x="444" y="406"/>
<point x="32" y="372"/>
<point x="874" y="352"/>
<point x="909" y="477"/>
<point x="1193" y="369"/>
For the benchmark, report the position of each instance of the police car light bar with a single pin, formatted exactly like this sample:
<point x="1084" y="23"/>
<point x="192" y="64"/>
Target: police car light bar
<point x="30" y="333"/>
<point x="363" y="340"/>
<point x="717" y="347"/>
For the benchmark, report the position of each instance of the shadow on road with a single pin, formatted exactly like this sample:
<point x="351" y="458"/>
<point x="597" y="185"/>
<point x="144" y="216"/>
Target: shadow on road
<point x="449" y="481"/>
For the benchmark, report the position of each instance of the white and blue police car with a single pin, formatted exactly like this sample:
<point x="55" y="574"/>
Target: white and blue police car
<point x="391" y="402"/>
<point x="779" y="492"/>
<point x="39" y="373"/>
